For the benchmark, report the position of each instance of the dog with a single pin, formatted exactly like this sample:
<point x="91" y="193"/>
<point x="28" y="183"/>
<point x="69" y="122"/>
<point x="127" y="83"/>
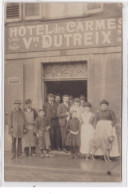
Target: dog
<point x="104" y="143"/>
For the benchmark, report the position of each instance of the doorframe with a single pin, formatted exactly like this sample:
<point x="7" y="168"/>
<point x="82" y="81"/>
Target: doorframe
<point x="61" y="59"/>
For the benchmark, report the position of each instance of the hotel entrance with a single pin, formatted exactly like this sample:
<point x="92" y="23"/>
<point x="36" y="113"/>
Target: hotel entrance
<point x="73" y="88"/>
<point x="65" y="78"/>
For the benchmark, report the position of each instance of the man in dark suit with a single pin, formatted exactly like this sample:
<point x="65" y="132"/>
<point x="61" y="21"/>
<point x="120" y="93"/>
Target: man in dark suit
<point x="57" y="99"/>
<point x="58" y="102"/>
<point x="51" y="114"/>
<point x="63" y="113"/>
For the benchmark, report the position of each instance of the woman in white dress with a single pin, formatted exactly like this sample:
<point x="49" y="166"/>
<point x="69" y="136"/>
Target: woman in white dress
<point x="87" y="131"/>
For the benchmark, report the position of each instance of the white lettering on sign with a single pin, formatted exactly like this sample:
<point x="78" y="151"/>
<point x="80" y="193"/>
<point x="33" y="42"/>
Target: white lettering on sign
<point x="111" y="24"/>
<point x="100" y="25"/>
<point x="63" y="35"/>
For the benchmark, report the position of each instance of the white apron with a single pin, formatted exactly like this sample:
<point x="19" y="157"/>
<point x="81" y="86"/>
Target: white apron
<point x="103" y="130"/>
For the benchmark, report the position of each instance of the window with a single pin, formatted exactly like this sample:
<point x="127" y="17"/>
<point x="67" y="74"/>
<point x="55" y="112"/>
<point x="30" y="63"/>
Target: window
<point x="32" y="11"/>
<point x="13" y="12"/>
<point x="94" y="8"/>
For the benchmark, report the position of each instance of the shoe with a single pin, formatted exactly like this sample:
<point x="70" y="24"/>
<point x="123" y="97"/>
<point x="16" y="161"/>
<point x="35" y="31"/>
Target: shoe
<point x="65" y="150"/>
<point x="50" y="156"/>
<point x="42" y="156"/>
<point x="20" y="156"/>
<point x="33" y="154"/>
<point x="71" y="157"/>
<point x="13" y="157"/>
<point x="25" y="155"/>
<point x="75" y="157"/>
<point x="58" y="149"/>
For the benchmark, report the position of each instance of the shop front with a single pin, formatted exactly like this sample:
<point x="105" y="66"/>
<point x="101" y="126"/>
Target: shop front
<point x="74" y="56"/>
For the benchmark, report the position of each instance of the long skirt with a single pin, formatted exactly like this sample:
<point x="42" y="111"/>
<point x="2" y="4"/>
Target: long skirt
<point x="103" y="130"/>
<point x="30" y="139"/>
<point x="72" y="140"/>
<point x="87" y="133"/>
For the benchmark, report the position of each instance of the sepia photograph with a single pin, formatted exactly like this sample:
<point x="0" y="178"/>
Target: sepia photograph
<point x="63" y="82"/>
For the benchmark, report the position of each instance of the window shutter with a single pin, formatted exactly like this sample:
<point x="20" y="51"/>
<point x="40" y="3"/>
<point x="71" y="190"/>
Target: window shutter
<point x="32" y="11"/>
<point x="13" y="12"/>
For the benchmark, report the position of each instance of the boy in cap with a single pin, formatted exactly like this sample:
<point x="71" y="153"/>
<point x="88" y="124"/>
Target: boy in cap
<point x="30" y="137"/>
<point x="43" y="127"/>
<point x="16" y="129"/>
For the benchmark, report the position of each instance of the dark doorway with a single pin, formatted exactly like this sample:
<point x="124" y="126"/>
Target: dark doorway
<point x="74" y="88"/>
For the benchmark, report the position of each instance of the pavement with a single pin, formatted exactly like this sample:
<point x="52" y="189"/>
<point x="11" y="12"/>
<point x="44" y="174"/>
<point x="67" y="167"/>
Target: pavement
<point x="60" y="169"/>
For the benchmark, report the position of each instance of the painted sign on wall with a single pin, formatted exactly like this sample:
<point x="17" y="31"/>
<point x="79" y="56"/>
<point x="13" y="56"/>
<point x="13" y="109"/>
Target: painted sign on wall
<point x="77" y="33"/>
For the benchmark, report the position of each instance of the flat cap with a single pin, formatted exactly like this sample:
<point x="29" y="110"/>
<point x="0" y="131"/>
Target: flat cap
<point x="104" y="102"/>
<point x="28" y="101"/>
<point x="17" y="102"/>
<point x="51" y="95"/>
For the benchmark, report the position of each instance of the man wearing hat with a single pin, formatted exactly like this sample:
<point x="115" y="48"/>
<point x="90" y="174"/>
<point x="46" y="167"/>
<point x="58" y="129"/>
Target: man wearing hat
<point x="51" y="114"/>
<point x="58" y="102"/>
<point x="16" y="129"/>
<point x="57" y="99"/>
<point x="30" y="137"/>
<point x="63" y="113"/>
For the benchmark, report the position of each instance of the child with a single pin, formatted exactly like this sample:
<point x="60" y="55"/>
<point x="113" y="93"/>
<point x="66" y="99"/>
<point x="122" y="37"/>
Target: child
<point x="77" y="108"/>
<point x="73" y="138"/>
<point x="43" y="134"/>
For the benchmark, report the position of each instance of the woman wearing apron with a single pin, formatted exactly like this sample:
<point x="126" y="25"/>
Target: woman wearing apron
<point x="30" y="136"/>
<point x="104" y="125"/>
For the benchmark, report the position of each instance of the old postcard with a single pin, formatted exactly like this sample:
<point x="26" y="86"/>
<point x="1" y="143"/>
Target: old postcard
<point x="63" y="92"/>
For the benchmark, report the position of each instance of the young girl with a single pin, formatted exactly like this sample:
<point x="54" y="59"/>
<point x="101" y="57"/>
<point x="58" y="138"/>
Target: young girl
<point x="76" y="107"/>
<point x="87" y="131"/>
<point x="43" y="134"/>
<point x="73" y="138"/>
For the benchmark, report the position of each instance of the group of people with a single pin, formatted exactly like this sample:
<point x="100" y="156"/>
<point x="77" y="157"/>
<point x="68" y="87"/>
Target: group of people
<point x="68" y="126"/>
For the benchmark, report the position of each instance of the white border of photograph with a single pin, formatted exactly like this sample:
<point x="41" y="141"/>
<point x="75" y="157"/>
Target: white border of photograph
<point x="124" y="109"/>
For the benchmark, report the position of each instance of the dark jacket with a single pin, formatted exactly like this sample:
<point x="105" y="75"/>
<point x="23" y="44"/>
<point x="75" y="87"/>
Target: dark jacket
<point x="41" y="123"/>
<point x="51" y="111"/>
<point x="17" y="123"/>
<point x="34" y="113"/>
<point x="62" y="109"/>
